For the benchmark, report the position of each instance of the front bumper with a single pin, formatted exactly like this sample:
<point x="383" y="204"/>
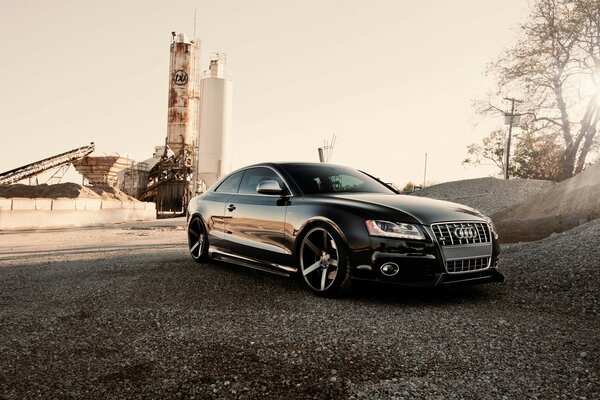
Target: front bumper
<point x="420" y="264"/>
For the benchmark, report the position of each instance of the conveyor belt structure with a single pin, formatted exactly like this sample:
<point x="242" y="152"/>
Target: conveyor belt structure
<point x="33" y="169"/>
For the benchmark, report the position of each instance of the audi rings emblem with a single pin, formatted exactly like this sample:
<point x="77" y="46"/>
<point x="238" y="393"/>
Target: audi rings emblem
<point x="465" y="233"/>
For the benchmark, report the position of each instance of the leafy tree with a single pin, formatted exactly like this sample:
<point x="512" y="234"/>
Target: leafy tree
<point x="409" y="187"/>
<point x="555" y="67"/>
<point x="535" y="155"/>
<point x="490" y="152"/>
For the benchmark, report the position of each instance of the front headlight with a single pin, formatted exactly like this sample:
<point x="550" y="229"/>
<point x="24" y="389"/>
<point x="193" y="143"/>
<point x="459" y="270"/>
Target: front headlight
<point x="394" y="230"/>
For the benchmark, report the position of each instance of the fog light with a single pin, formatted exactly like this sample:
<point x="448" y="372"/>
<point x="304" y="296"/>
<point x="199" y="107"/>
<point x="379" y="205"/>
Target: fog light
<point x="390" y="269"/>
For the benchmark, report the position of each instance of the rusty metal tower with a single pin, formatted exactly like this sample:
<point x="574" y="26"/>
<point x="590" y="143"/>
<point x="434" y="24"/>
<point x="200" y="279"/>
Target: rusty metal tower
<point x="170" y="181"/>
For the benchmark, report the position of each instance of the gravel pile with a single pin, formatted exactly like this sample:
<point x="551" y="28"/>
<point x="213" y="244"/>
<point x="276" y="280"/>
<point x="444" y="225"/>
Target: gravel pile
<point x="570" y="203"/>
<point x="148" y="323"/>
<point x="527" y="210"/>
<point x="487" y="195"/>
<point x="64" y="190"/>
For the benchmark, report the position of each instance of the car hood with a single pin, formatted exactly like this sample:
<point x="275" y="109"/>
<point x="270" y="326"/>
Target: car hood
<point x="424" y="210"/>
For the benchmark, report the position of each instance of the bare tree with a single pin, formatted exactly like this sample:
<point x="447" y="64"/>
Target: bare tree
<point x="555" y="67"/>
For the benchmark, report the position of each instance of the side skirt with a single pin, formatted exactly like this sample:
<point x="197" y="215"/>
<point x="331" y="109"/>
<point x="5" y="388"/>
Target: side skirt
<point x="275" y="269"/>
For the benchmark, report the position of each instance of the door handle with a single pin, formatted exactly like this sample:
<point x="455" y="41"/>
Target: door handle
<point x="231" y="207"/>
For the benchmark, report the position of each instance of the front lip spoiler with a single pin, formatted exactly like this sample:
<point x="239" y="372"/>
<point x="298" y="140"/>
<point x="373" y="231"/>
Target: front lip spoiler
<point x="487" y="275"/>
<point x="445" y="280"/>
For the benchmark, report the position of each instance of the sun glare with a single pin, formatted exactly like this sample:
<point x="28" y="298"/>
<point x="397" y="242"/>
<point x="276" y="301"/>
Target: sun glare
<point x="590" y="86"/>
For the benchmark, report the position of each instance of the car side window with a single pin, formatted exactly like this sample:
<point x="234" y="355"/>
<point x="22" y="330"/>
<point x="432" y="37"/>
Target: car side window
<point x="254" y="176"/>
<point x="231" y="184"/>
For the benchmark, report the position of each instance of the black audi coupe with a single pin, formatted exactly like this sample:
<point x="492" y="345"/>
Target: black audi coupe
<point x="331" y="225"/>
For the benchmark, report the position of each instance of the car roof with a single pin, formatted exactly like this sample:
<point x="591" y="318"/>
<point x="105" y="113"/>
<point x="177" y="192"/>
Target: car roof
<point x="292" y="163"/>
<point x="301" y="164"/>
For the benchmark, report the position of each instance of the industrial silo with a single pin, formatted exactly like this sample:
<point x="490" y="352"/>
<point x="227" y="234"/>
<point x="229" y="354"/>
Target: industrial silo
<point x="182" y="130"/>
<point x="170" y="181"/>
<point x="214" y="124"/>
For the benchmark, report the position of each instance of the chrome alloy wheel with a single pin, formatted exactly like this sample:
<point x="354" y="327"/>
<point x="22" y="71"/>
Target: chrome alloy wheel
<point x="196" y="239"/>
<point x="319" y="259"/>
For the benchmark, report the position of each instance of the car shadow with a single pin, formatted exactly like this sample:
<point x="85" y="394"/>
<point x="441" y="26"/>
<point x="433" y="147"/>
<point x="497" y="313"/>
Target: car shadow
<point x="367" y="292"/>
<point x="387" y="293"/>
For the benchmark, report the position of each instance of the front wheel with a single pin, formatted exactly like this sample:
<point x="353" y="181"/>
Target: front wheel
<point x="197" y="240"/>
<point x="324" y="262"/>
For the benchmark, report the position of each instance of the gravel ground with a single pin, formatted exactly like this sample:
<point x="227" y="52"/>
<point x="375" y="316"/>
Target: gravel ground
<point x="148" y="322"/>
<point x="488" y="195"/>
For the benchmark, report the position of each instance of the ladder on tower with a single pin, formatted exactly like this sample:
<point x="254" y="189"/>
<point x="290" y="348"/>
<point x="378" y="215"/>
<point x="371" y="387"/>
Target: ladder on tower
<point x="33" y="169"/>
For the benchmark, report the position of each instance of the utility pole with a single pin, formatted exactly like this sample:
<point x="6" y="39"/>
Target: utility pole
<point x="510" y="118"/>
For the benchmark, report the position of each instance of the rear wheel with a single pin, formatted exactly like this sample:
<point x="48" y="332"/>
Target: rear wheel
<point x="197" y="240"/>
<point x="324" y="261"/>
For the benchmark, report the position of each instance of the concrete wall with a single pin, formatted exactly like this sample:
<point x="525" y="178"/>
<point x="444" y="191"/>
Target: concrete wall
<point x="24" y="213"/>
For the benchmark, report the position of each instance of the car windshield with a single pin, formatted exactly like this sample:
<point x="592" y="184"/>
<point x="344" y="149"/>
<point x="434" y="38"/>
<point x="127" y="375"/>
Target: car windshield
<point x="315" y="179"/>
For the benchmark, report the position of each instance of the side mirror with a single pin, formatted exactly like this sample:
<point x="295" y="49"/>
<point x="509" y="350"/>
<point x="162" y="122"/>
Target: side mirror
<point x="269" y="187"/>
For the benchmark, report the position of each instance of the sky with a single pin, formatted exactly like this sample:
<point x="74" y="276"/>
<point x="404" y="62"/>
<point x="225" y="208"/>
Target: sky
<point x="393" y="80"/>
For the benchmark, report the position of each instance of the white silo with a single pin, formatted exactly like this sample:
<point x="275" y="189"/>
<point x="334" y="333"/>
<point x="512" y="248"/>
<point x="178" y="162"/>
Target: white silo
<point x="214" y="123"/>
<point x="183" y="93"/>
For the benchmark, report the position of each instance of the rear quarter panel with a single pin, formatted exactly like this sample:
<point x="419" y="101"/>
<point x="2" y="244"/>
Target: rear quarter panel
<point x="210" y="206"/>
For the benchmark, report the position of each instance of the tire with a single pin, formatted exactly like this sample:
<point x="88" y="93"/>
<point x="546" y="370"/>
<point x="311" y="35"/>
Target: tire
<point x="323" y="262"/>
<point x="197" y="241"/>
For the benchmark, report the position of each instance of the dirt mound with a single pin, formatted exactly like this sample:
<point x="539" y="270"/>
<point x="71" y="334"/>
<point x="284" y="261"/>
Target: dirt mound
<point x="64" y="190"/>
<point x="488" y="195"/>
<point x="568" y="204"/>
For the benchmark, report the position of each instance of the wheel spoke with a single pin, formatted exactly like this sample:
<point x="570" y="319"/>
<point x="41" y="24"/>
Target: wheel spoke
<point x="312" y="268"/>
<point x="311" y="246"/>
<point x="197" y="239"/>
<point x="332" y="274"/>
<point x="333" y="262"/>
<point x="323" y="279"/>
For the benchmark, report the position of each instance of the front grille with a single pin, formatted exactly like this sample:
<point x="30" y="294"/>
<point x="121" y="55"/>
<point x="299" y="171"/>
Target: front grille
<point x="466" y="246"/>
<point x="471" y="264"/>
<point x="445" y="233"/>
